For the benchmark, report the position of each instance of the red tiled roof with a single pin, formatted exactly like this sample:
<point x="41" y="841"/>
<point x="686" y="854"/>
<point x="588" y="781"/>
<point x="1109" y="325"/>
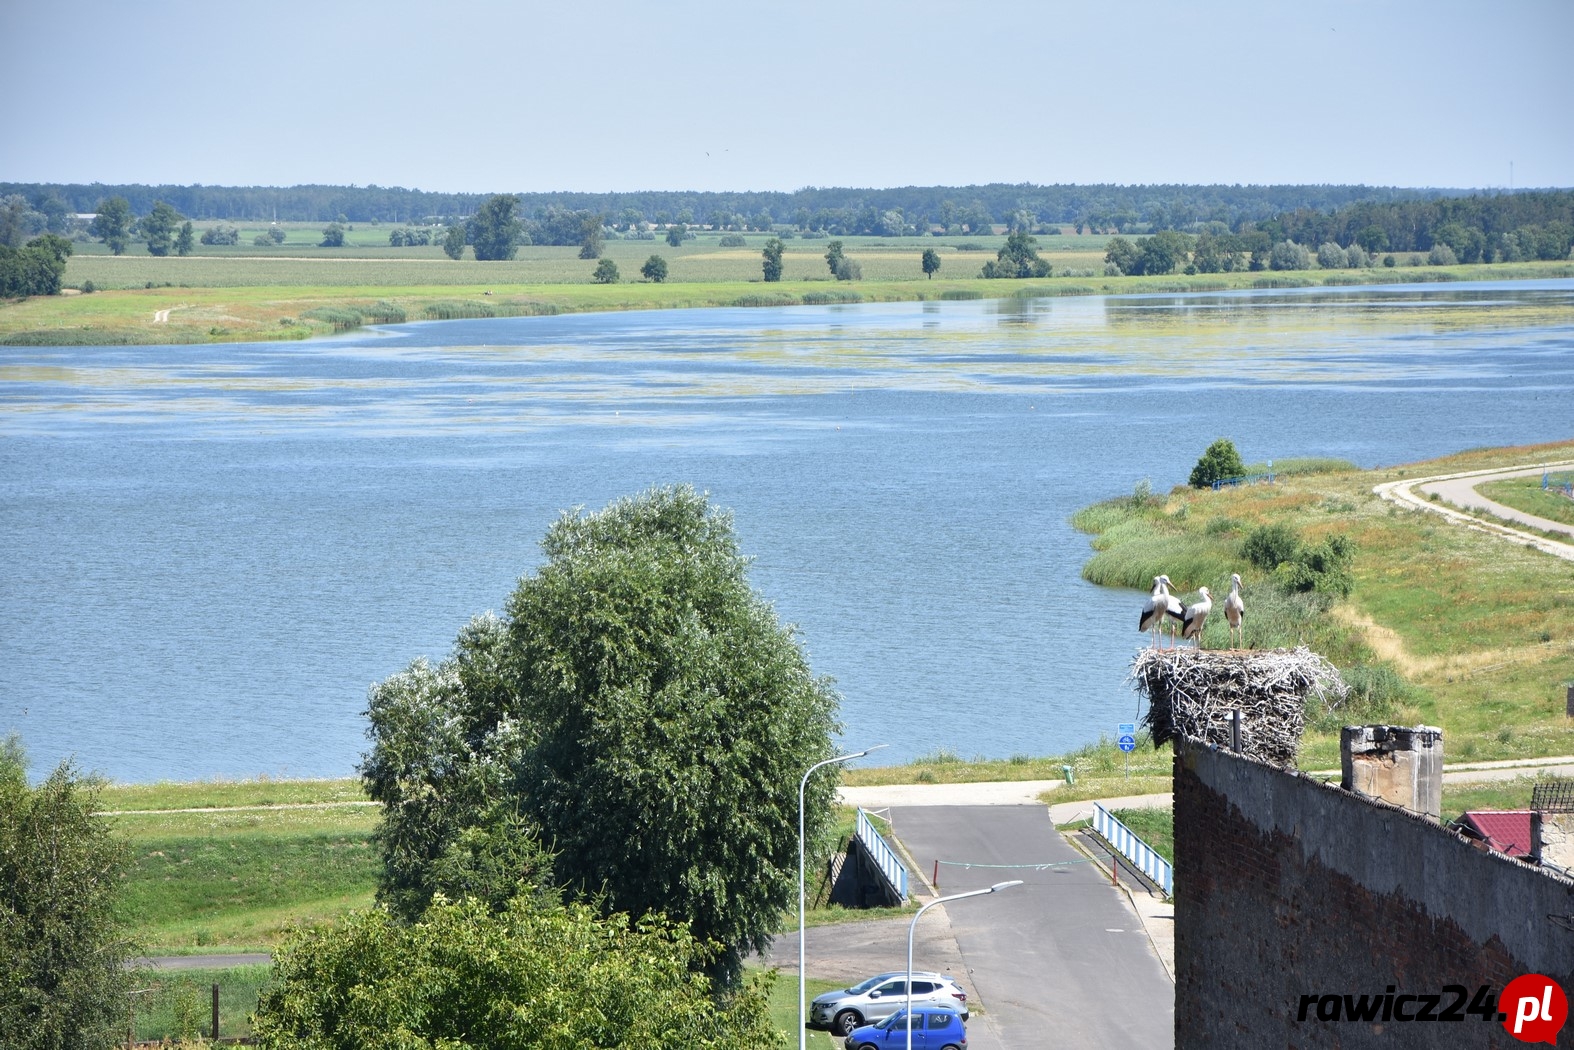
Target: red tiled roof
<point x="1507" y="831"/>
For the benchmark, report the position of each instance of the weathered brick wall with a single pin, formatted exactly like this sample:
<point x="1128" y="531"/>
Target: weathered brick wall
<point x="1287" y="887"/>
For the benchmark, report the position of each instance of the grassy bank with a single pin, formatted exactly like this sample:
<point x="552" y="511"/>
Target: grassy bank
<point x="299" y="291"/>
<point x="1526" y="494"/>
<point x="1443" y="626"/>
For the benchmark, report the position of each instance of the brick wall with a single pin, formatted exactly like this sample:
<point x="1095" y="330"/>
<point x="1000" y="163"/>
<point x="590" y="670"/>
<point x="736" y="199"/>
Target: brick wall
<point x="1287" y="887"/>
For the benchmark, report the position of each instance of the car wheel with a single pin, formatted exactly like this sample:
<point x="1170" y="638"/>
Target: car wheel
<point x="845" y="1022"/>
<point x="871" y="1046"/>
<point x="951" y="1046"/>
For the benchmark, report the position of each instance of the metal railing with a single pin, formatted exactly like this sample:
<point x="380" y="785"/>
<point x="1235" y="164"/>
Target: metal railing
<point x="1143" y="856"/>
<point x="1244" y="479"/>
<point x="884" y="856"/>
<point x="1563" y="483"/>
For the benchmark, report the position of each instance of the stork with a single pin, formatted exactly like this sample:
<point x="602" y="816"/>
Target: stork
<point x="1196" y="615"/>
<point x="1174" y="608"/>
<point x="1235" y="610"/>
<point x="1156" y="608"/>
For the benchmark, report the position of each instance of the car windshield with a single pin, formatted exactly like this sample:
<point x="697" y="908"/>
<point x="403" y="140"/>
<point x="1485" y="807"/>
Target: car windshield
<point x="894" y="1021"/>
<point x="864" y="986"/>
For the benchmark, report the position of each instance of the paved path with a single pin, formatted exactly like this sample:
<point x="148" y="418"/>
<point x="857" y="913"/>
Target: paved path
<point x="1460" y="489"/>
<point x="1061" y="960"/>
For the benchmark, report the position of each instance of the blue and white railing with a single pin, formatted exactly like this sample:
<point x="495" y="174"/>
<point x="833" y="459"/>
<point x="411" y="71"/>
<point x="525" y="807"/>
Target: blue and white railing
<point x="884" y="856"/>
<point x="1142" y="856"/>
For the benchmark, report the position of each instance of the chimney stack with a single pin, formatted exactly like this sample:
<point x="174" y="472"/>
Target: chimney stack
<point x="1398" y="764"/>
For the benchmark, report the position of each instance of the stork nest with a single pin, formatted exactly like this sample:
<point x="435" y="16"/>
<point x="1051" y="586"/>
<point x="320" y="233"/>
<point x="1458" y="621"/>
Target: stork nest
<point x="1192" y="692"/>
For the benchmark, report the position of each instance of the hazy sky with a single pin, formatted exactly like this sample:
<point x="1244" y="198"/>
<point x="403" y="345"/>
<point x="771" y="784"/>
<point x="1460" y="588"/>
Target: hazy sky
<point x="483" y="96"/>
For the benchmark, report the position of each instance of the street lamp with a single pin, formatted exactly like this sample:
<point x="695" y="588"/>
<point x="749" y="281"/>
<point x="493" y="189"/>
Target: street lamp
<point x="803" y="1033"/>
<point x="910" y="930"/>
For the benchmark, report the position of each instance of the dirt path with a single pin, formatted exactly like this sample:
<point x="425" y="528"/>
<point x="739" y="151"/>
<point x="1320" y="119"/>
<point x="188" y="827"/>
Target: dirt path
<point x="1492" y="518"/>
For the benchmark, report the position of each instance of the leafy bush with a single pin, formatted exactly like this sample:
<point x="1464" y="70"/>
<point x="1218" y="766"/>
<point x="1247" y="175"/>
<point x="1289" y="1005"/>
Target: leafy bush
<point x="1269" y="546"/>
<point x="535" y="975"/>
<point x="1324" y="568"/>
<point x="221" y="234"/>
<point x="732" y="240"/>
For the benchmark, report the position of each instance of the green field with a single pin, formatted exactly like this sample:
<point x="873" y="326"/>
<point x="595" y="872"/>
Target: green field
<point x="247" y="292"/>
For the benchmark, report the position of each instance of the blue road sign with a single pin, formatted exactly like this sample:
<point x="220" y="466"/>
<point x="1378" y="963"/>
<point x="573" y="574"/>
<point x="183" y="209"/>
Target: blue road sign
<point x="1127" y="742"/>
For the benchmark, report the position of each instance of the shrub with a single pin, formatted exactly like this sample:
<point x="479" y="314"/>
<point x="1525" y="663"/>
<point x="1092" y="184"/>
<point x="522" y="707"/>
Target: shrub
<point x="1269" y="546"/>
<point x="262" y="240"/>
<point x="1324" y="568"/>
<point x="1287" y="255"/>
<point x="606" y="272"/>
<point x="732" y="240"/>
<point x="1442" y="255"/>
<point x="221" y="234"/>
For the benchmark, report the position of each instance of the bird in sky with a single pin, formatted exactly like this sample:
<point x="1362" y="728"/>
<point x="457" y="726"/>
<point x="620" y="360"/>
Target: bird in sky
<point x="1235" y="611"/>
<point x="1196" y="615"/>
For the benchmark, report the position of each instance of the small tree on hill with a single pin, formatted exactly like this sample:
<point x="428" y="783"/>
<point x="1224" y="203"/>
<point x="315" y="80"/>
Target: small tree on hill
<point x="931" y="263"/>
<point x="1220" y="461"/>
<point x="606" y="272"/>
<point x="183" y="239"/>
<point x="454" y="241"/>
<point x="332" y="236"/>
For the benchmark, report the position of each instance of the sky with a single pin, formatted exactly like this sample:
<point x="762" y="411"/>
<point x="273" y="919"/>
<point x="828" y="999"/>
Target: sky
<point x="488" y="96"/>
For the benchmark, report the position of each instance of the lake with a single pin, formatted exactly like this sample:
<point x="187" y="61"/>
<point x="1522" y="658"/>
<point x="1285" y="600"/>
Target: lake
<point x="213" y="551"/>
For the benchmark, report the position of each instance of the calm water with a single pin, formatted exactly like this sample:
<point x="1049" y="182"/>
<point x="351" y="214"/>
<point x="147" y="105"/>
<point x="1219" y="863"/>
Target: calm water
<point x="212" y="552"/>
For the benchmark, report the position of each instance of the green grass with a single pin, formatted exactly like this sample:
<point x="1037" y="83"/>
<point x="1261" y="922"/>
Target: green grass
<point x="1526" y="494"/>
<point x="784" y="1008"/>
<point x="235" y="881"/>
<point x="1156" y="827"/>
<point x="179" y="1003"/>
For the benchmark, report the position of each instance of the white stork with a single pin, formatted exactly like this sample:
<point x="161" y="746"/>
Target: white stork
<point x="1174" y="608"/>
<point x="1197" y="615"/>
<point x="1155" y="609"/>
<point x="1235" y="610"/>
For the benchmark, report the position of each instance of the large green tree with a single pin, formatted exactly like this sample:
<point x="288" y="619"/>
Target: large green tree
<point x="930" y="261"/>
<point x="454" y="241"/>
<point x="112" y="224"/>
<point x="655" y="269"/>
<point x="63" y="983"/>
<point x="640" y="706"/>
<point x="494" y="231"/>
<point x="159" y="228"/>
<point x="533" y="975"/>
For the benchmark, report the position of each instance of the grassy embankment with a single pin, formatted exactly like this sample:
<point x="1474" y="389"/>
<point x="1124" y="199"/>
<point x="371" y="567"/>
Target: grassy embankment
<point x="1526" y="494"/>
<point x="297" y="290"/>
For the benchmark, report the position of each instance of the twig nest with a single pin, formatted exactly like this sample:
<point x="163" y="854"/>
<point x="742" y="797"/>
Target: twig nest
<point x="1191" y="693"/>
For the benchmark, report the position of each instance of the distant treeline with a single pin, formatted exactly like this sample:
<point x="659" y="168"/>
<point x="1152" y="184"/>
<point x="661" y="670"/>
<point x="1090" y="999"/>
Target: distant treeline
<point x="907" y="209"/>
<point x="1475" y="228"/>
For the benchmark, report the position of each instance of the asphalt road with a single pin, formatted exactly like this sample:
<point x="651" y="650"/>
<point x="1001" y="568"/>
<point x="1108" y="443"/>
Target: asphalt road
<point x="1059" y="961"/>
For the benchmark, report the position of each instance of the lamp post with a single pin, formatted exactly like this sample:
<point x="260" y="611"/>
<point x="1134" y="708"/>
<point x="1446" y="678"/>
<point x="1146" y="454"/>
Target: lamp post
<point x="914" y="926"/>
<point x="803" y="1033"/>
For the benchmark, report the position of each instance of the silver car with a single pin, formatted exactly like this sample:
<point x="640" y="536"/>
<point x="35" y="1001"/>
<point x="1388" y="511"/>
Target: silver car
<point x="880" y="997"/>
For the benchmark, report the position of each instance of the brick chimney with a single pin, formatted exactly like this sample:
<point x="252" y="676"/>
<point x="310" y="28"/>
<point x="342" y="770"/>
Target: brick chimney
<point x="1398" y="764"/>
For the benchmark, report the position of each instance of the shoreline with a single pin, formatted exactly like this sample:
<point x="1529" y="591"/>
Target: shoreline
<point x="167" y="314"/>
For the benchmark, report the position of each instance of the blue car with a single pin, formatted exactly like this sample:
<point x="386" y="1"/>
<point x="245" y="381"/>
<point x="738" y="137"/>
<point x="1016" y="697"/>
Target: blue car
<point x="934" y="1028"/>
